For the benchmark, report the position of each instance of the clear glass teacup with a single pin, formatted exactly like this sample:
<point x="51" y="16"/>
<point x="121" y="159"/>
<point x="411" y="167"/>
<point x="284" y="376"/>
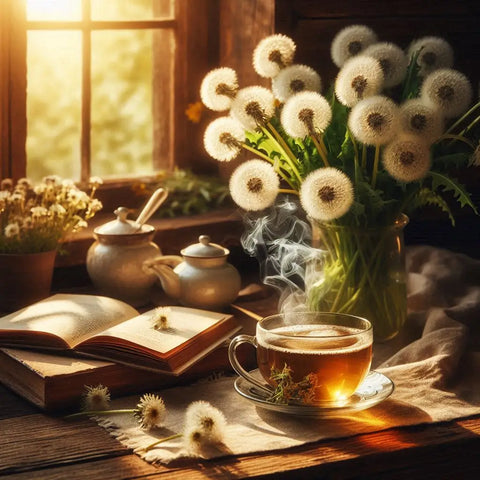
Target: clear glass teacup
<point x="309" y="357"/>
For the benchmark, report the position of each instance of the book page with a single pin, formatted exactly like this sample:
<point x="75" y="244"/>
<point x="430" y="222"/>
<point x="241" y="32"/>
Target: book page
<point x="72" y="317"/>
<point x="184" y="323"/>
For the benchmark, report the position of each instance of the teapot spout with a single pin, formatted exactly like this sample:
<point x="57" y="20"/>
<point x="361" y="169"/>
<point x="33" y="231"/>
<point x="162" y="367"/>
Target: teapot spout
<point x="162" y="267"/>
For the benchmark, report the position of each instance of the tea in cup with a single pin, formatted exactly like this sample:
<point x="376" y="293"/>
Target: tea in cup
<point x="309" y="357"/>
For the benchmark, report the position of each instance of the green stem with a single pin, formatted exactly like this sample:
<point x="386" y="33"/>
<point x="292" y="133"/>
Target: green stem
<point x="287" y="190"/>
<point x="100" y="412"/>
<point x="460" y="138"/>
<point x="166" y="439"/>
<point x="375" y="165"/>
<point x="321" y="149"/>
<point x="270" y="160"/>
<point x="364" y="156"/>
<point x="463" y="117"/>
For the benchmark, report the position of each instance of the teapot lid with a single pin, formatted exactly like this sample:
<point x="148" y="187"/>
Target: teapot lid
<point x="204" y="249"/>
<point x="121" y="225"/>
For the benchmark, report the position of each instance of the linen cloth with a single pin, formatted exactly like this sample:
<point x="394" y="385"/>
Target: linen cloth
<point x="434" y="363"/>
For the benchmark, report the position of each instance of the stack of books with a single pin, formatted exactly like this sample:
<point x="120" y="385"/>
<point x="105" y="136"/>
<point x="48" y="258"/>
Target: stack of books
<point x="51" y="350"/>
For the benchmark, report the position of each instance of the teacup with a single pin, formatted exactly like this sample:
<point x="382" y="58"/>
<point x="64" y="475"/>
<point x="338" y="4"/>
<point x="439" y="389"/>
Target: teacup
<point x="309" y="357"/>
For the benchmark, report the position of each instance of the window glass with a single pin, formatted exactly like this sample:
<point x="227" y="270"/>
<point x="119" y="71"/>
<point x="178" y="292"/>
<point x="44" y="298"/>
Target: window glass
<point x="131" y="9"/>
<point x="54" y="9"/>
<point x="122" y="124"/>
<point x="53" y="103"/>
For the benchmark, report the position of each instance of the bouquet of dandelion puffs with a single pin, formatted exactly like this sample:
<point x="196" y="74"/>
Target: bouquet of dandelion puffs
<point x="379" y="143"/>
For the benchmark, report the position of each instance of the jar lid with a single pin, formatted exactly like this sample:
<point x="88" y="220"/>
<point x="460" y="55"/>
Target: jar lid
<point x="204" y="249"/>
<point x="121" y="225"/>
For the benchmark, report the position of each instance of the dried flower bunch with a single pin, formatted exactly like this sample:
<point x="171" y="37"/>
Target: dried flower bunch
<point x="38" y="218"/>
<point x="382" y="141"/>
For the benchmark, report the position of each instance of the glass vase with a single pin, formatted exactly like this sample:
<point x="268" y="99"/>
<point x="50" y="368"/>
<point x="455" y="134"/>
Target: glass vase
<point x="364" y="274"/>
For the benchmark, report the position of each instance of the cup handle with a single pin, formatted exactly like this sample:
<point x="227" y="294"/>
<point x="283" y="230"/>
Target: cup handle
<point x="232" y="356"/>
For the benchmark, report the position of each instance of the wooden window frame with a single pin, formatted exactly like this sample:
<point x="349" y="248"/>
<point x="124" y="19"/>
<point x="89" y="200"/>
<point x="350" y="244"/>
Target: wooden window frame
<point x="196" y="31"/>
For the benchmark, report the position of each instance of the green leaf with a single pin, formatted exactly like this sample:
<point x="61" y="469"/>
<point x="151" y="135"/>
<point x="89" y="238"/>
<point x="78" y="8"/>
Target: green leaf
<point x="447" y="184"/>
<point x="425" y="196"/>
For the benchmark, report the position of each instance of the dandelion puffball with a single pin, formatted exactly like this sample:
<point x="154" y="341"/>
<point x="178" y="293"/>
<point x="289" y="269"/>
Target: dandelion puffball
<point x="253" y="107"/>
<point x="272" y="54"/>
<point x="305" y="113"/>
<point x="375" y="120"/>
<point x="295" y="79"/>
<point x="393" y="61"/>
<point x="150" y="411"/>
<point x="359" y="78"/>
<point x="326" y="194"/>
<point x="219" y="87"/>
<point x="418" y="117"/>
<point x="433" y="53"/>
<point x="351" y="41"/>
<point x="449" y="90"/>
<point x="254" y="185"/>
<point x="223" y="138"/>
<point x="407" y="159"/>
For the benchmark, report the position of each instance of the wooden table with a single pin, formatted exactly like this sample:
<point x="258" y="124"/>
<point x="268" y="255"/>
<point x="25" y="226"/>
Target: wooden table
<point x="38" y="446"/>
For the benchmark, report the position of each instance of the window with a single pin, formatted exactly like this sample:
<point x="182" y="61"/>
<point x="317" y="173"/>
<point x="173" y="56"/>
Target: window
<point x="100" y="87"/>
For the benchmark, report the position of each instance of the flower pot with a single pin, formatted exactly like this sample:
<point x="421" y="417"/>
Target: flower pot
<point x="363" y="274"/>
<point x="25" y="278"/>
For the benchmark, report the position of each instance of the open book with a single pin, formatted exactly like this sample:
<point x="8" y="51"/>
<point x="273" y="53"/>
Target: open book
<point x="107" y="328"/>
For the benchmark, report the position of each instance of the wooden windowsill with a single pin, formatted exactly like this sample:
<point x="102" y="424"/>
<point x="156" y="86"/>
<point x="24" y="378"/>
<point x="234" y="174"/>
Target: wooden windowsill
<point x="172" y="234"/>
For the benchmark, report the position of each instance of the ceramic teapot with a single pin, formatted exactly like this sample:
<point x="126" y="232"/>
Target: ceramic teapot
<point x="115" y="259"/>
<point x="200" y="278"/>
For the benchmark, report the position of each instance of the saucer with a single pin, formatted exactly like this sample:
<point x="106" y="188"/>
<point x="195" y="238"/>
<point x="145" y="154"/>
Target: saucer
<point x="374" y="389"/>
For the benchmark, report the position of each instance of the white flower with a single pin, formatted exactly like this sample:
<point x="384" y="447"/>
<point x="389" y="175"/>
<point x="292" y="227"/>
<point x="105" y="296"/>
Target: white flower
<point x="305" y="113"/>
<point x="449" y="90"/>
<point x="223" y="138"/>
<point x="393" y="61"/>
<point x="38" y="212"/>
<point x="95" y="398"/>
<point x="435" y="53"/>
<point x="52" y="180"/>
<point x="254" y="185"/>
<point x="150" y="411"/>
<point x="374" y="121"/>
<point x="95" y="181"/>
<point x="12" y="230"/>
<point x="160" y="318"/>
<point x="326" y="194"/>
<point x="204" y="425"/>
<point x="295" y="79"/>
<point x="57" y="209"/>
<point x="350" y="41"/>
<point x="219" y="88"/>
<point x="272" y="54"/>
<point x="253" y="106"/>
<point x="420" y="118"/>
<point x="359" y="78"/>
<point x="407" y="159"/>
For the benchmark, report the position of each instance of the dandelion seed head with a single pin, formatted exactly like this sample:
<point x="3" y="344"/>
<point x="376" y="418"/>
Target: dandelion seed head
<point x="223" y="138"/>
<point x="150" y="411"/>
<point x="304" y="112"/>
<point x="375" y="120"/>
<point x="407" y="159"/>
<point x="219" y="87"/>
<point x="204" y="423"/>
<point x="435" y="53"/>
<point x="449" y="90"/>
<point x="295" y="79"/>
<point x="253" y="107"/>
<point x="418" y="117"/>
<point x="95" y="398"/>
<point x="12" y="230"/>
<point x="359" y="78"/>
<point x="254" y="185"/>
<point x="392" y="59"/>
<point x="326" y="194"/>
<point x="272" y="54"/>
<point x="351" y="41"/>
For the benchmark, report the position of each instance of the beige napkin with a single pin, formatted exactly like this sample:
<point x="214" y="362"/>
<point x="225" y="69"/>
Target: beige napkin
<point x="434" y="364"/>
